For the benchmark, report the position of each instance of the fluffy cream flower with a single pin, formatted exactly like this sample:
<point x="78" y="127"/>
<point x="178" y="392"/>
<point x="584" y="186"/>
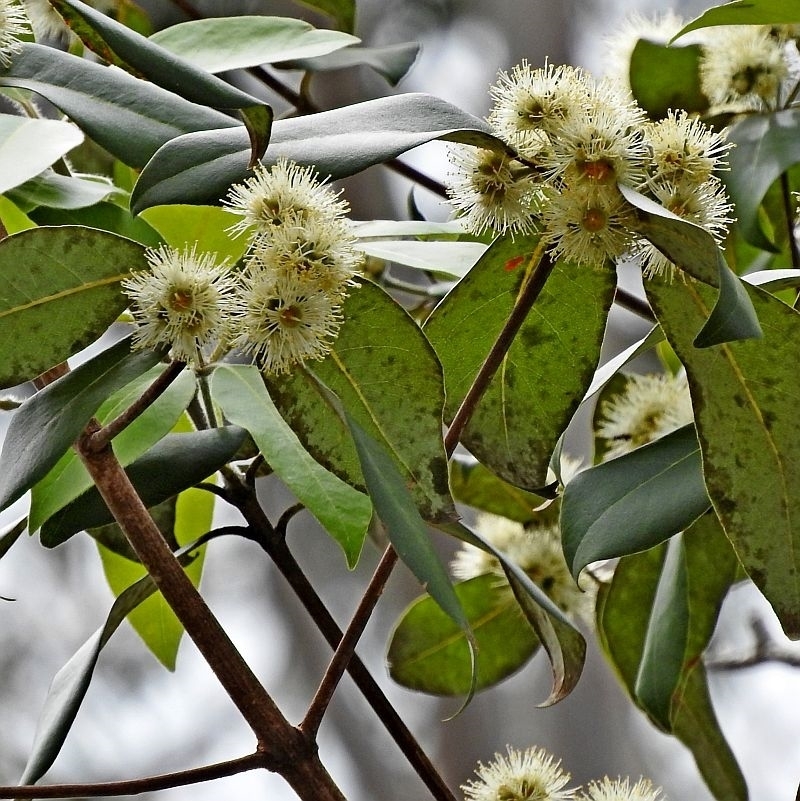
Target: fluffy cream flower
<point x="529" y="775"/>
<point x="650" y="407"/>
<point x="621" y="790"/>
<point x="13" y="24"/>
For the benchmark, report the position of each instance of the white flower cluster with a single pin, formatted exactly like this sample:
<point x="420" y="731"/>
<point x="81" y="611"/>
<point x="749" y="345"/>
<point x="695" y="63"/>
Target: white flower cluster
<point x="14" y="23"/>
<point x="535" y="775"/>
<point x="571" y="142"/>
<point x="283" y="306"/>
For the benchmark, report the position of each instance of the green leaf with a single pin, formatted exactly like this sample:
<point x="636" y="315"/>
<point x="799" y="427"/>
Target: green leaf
<point x="154" y="620"/>
<point x="175" y="463"/>
<point x="229" y="43"/>
<point x="745" y="12"/>
<point x="205" y="225"/>
<point x="69" y="686"/>
<point x="475" y="485"/>
<point x="343" y="12"/>
<point x="126" y="48"/>
<point x="390" y="61"/>
<point x="388" y="378"/>
<point x="745" y="399"/>
<point x="13" y="218"/>
<point x="10" y="534"/>
<point x="528" y="404"/>
<point x="693" y="249"/>
<point x="430" y="653"/>
<point x="452" y="258"/>
<point x="61" y="191"/>
<point x="765" y="146"/>
<point x="129" y="117"/>
<point x="60" y="286"/>
<point x="104" y="216"/>
<point x="68" y="478"/>
<point x="664" y="77"/>
<point x="199" y="168"/>
<point x="19" y="162"/>
<point x="344" y="512"/>
<point x="634" y="502"/>
<point x="47" y="424"/>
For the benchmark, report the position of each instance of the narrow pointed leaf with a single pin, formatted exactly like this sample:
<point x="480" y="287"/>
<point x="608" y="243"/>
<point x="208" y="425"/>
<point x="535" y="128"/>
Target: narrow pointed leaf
<point x="56" y="191"/>
<point x="19" y="162"/>
<point x="342" y="511"/>
<point x="47" y="424"/>
<point x="60" y="286"/>
<point x="517" y="423"/>
<point x="174" y="464"/>
<point x="634" y="502"/>
<point x="430" y="653"/>
<point x="199" y="168"/>
<point x="451" y="258"/>
<point x="228" y="43"/>
<point x="385" y="373"/>
<point x="129" y="117"/>
<point x="745" y="12"/>
<point x="745" y="399"/>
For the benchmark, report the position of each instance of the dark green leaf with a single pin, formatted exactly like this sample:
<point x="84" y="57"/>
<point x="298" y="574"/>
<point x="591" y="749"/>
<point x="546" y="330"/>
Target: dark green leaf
<point x="199" y="168"/>
<point x="402" y="408"/>
<point x="61" y="287"/>
<point x="10" y="534"/>
<point x="61" y="191"/>
<point x="746" y="12"/>
<point x="528" y="404"/>
<point x="664" y="77"/>
<point x="47" y="424"/>
<point x="343" y="511"/>
<point x="129" y="117"/>
<point x="633" y="502"/>
<point x="430" y="653"/>
<point x="745" y="397"/>
<point x="126" y="48"/>
<point x="174" y="464"/>
<point x="219" y="44"/>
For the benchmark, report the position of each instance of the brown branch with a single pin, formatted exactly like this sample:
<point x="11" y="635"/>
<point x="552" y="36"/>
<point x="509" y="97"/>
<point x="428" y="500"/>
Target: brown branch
<point x="633" y="304"/>
<point x="347" y="645"/>
<point x="149" y="784"/>
<point x="285" y="749"/>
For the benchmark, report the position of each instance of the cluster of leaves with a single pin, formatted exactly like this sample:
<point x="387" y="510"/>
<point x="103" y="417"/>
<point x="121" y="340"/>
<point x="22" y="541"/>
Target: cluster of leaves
<point x="362" y="433"/>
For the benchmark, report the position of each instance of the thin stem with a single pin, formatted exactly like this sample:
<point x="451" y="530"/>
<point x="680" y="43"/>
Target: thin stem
<point x="633" y="304"/>
<point x="786" y="193"/>
<point x="101" y="438"/>
<point x="148" y="784"/>
<point x="347" y="645"/>
<point x="529" y="292"/>
<point x="286" y="750"/>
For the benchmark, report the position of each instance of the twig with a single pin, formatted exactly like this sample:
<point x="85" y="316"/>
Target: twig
<point x="148" y="784"/>
<point x="347" y="645"/>
<point x="530" y="291"/>
<point x="634" y="304"/>
<point x="101" y="438"/>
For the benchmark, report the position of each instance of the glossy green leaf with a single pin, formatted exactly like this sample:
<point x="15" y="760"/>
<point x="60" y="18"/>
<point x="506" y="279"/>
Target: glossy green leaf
<point x="61" y="287"/>
<point x="69" y="686"/>
<point x="199" y="168"/>
<point x="68" y="478"/>
<point x="343" y="12"/>
<point x="634" y="502"/>
<point x="388" y="378"/>
<point x="765" y="146"/>
<point x="430" y="653"/>
<point x="228" y="43"/>
<point x="745" y="12"/>
<point x="693" y="249"/>
<point x="451" y="258"/>
<point x="664" y="78"/>
<point x="528" y="404"/>
<point x="129" y="117"/>
<point x="154" y="620"/>
<point x="342" y="511"/>
<point x="391" y="61"/>
<point x="745" y="397"/>
<point x="13" y="218"/>
<point x="128" y="49"/>
<point x="47" y="424"/>
<point x="10" y="534"/>
<point x="475" y="485"/>
<point x="104" y="216"/>
<point x="61" y="191"/>
<point x="205" y="225"/>
<point x="175" y="463"/>
<point x="19" y="162"/>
